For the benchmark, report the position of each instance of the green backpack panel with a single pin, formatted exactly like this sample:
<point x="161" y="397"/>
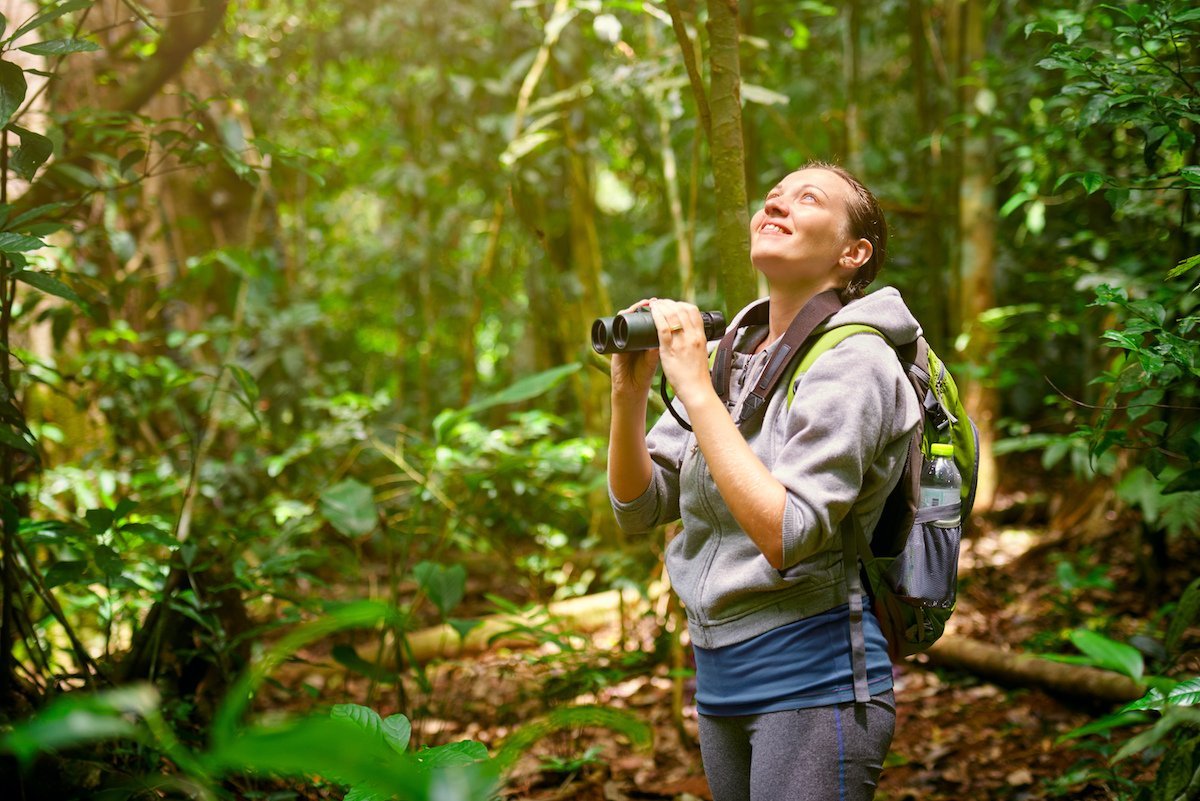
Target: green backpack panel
<point x="911" y="566"/>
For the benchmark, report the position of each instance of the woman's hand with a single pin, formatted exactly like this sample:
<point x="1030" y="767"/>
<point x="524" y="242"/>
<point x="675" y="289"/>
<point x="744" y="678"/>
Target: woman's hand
<point x="633" y="373"/>
<point x="683" y="348"/>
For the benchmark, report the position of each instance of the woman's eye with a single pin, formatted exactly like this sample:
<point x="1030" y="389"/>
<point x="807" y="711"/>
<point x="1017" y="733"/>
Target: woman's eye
<point x="808" y="196"/>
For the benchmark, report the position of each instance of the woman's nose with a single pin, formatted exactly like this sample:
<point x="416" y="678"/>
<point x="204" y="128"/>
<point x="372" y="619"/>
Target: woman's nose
<point x="773" y="207"/>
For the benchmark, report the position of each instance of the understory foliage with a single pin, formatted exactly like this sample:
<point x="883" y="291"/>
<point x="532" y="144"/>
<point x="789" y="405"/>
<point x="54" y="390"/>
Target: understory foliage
<point x="294" y="301"/>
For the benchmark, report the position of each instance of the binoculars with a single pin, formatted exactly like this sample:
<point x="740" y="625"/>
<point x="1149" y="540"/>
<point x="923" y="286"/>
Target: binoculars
<point x="624" y="333"/>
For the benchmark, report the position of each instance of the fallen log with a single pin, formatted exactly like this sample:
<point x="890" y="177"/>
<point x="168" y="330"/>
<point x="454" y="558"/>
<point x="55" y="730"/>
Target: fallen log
<point x="1011" y="668"/>
<point x="591" y="612"/>
<point x="584" y="614"/>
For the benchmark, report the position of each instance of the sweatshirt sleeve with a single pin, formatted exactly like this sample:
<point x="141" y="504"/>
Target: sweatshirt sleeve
<point x="659" y="504"/>
<point x="852" y="404"/>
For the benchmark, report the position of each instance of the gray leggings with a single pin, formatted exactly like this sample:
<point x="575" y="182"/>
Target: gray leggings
<point x="827" y="753"/>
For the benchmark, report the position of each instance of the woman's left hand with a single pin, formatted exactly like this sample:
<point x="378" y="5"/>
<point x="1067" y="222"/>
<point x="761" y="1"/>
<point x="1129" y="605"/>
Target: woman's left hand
<point x="683" y="348"/>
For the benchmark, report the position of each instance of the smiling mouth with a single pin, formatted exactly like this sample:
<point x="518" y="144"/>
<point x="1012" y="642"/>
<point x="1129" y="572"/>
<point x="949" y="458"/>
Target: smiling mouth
<point x="773" y="228"/>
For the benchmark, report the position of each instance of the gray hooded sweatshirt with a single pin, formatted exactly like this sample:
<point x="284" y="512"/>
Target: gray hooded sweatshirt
<point x="838" y="449"/>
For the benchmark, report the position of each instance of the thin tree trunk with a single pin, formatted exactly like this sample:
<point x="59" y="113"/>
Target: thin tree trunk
<point x="851" y="71"/>
<point x="977" y="236"/>
<point x="736" y="279"/>
<point x="928" y="165"/>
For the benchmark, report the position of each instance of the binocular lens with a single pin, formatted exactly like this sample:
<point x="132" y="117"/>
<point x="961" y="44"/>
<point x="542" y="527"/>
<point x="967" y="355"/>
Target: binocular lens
<point x="634" y="331"/>
<point x="602" y="334"/>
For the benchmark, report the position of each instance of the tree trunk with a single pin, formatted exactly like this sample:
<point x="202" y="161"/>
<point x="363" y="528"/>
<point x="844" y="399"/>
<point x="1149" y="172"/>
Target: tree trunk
<point x="977" y="235"/>
<point x="736" y="279"/>
<point x="851" y="71"/>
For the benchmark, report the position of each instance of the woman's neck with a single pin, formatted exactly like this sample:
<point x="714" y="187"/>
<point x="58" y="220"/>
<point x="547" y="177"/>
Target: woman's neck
<point x="785" y="305"/>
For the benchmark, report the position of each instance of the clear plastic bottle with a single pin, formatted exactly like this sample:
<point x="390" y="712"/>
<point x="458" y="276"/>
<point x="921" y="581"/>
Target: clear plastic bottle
<point x="941" y="484"/>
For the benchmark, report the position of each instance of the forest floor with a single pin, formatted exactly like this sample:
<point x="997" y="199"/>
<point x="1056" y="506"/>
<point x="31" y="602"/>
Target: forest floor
<point x="958" y="738"/>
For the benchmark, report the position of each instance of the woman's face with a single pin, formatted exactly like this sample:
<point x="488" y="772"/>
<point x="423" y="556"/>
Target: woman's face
<point x="802" y="232"/>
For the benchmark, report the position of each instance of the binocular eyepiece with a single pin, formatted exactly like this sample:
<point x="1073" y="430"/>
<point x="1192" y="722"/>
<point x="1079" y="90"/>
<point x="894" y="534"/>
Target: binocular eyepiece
<point x="624" y="333"/>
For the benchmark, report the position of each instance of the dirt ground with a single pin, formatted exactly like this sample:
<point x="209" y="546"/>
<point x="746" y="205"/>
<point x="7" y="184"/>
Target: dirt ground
<point x="958" y="738"/>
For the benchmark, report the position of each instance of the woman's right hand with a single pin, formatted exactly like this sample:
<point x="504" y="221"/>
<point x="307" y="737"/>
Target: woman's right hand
<point x="633" y="373"/>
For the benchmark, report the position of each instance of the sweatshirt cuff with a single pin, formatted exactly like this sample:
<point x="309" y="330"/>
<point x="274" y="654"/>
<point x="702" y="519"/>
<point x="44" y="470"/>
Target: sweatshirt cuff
<point x="638" y="513"/>
<point x="793" y="528"/>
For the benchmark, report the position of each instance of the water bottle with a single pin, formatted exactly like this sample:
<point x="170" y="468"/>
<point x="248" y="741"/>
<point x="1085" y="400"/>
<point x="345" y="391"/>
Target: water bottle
<point x="941" y="484"/>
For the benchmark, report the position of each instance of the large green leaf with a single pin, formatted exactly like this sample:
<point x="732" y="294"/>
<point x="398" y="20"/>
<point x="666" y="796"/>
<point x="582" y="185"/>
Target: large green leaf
<point x="616" y="720"/>
<point x="12" y="90"/>
<point x="364" y="717"/>
<point x="522" y="390"/>
<point x="462" y="753"/>
<point x="350" y="508"/>
<point x="1110" y="654"/>
<point x="32" y="153"/>
<point x="397" y="731"/>
<point x="360" y="614"/>
<point x="339" y="749"/>
<point x="49" y="285"/>
<point x="60" y="47"/>
<point x="1187" y="613"/>
<point x="1185" y="693"/>
<point x="445" y="586"/>
<point x="1171" y="719"/>
<point x="79" y="718"/>
<point x="49" y="16"/>
<point x="18" y="243"/>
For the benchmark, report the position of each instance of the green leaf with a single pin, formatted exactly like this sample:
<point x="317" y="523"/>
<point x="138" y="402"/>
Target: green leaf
<point x="51" y="286"/>
<point x="150" y="533"/>
<point x="14" y="440"/>
<point x="67" y="571"/>
<point x="359" y="614"/>
<point x="60" y="47"/>
<point x="445" y="586"/>
<point x="1188" y="481"/>
<point x="78" y="718"/>
<point x="1185" y="693"/>
<point x="12" y="90"/>
<point x="350" y="508"/>
<point x="1109" y="654"/>
<point x="464" y="627"/>
<point x="36" y="213"/>
<point x="525" y="389"/>
<point x="1187" y="613"/>
<point x="49" y="16"/>
<point x="99" y="520"/>
<point x="462" y="753"/>
<point x="32" y="153"/>
<point x="18" y="243"/>
<point x="109" y="562"/>
<point x="1104" y="724"/>
<point x="364" y="717"/>
<point x="397" y="731"/>
<point x="346" y="656"/>
<point x="129" y="160"/>
<point x="520" y="741"/>
<point x="1172" y="718"/>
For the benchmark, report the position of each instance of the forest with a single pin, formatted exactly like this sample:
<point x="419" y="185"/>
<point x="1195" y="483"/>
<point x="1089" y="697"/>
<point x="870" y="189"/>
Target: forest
<point x="303" y="440"/>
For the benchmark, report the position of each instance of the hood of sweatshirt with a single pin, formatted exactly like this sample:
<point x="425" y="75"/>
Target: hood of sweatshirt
<point x="883" y="310"/>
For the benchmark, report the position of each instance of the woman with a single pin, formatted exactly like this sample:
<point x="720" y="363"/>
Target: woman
<point x="758" y="565"/>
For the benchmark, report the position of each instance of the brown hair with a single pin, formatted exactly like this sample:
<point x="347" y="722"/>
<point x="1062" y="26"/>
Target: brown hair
<point x="866" y="222"/>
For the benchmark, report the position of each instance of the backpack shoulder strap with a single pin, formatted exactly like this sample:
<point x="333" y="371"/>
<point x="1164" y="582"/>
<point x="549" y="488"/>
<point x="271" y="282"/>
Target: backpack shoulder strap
<point x="819" y="309"/>
<point x="824" y="343"/>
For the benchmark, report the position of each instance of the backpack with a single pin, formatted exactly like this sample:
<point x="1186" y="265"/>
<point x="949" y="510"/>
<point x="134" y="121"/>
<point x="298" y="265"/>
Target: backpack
<point x="911" y="566"/>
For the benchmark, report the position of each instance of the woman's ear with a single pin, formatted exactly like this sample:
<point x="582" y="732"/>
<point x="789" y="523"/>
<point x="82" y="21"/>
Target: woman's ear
<point x="856" y="254"/>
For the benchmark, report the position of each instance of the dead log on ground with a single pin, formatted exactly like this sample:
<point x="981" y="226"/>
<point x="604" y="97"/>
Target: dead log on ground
<point x="1016" y="669"/>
